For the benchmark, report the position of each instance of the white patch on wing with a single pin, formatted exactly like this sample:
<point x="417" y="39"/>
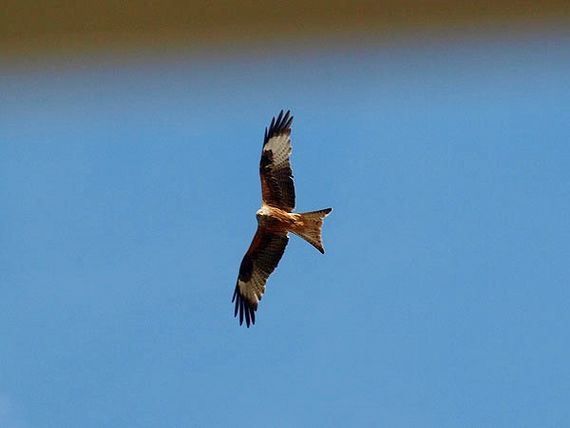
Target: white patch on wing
<point x="242" y="287"/>
<point x="247" y="289"/>
<point x="280" y="147"/>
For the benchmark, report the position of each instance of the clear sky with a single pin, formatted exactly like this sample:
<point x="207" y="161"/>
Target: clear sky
<point x="128" y="193"/>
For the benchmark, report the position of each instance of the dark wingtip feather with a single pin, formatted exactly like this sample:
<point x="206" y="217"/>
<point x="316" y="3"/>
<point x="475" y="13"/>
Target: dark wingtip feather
<point x="247" y="320"/>
<point x="278" y="124"/>
<point x="236" y="299"/>
<point x="245" y="310"/>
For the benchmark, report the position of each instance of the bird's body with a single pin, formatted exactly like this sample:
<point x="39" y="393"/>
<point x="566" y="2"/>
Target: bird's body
<point x="275" y="220"/>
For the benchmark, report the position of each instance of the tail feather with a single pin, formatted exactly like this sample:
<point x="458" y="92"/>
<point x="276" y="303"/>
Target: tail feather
<point x="310" y="227"/>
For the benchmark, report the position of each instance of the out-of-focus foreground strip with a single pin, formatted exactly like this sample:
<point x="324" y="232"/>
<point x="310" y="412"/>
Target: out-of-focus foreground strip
<point x="31" y="27"/>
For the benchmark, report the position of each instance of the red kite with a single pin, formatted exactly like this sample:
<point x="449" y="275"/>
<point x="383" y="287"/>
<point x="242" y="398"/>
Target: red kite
<point x="275" y="219"/>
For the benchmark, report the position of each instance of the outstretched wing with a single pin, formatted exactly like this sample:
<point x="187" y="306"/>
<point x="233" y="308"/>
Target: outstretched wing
<point x="259" y="262"/>
<point x="277" y="187"/>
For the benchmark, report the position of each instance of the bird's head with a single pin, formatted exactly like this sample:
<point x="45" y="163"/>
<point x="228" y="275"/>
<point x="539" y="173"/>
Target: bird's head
<point x="261" y="212"/>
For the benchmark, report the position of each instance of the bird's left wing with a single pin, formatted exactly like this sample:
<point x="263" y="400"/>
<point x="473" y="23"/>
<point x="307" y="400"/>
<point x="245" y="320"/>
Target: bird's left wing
<point x="277" y="187"/>
<point x="259" y="262"/>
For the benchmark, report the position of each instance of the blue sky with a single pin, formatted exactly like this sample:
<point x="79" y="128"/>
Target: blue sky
<point x="129" y="190"/>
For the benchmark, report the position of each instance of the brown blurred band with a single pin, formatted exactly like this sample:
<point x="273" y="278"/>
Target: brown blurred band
<point x="29" y="27"/>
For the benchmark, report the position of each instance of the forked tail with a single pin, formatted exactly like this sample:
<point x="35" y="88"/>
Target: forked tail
<point x="310" y="227"/>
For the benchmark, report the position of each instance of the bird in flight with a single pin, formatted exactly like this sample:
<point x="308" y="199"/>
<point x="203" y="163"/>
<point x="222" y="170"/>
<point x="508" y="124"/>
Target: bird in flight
<point x="275" y="219"/>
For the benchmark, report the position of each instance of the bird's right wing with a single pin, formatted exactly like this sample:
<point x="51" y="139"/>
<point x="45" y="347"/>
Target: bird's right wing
<point x="259" y="262"/>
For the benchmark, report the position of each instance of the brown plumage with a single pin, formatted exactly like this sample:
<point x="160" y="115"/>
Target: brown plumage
<point x="275" y="220"/>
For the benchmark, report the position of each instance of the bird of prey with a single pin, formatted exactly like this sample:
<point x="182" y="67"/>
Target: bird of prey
<point x="275" y="219"/>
